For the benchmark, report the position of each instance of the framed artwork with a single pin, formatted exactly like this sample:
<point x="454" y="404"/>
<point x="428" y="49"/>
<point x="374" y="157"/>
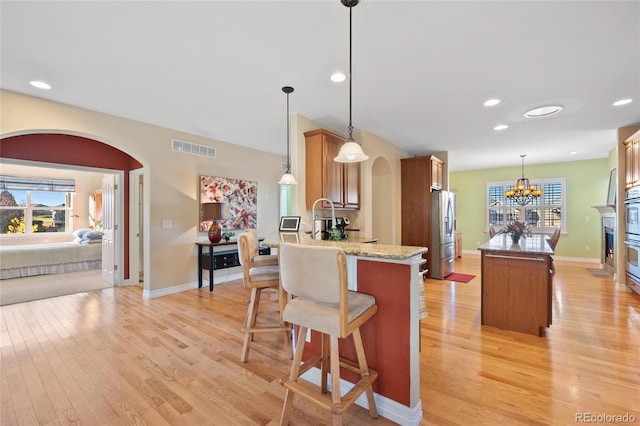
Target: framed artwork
<point x="239" y="199"/>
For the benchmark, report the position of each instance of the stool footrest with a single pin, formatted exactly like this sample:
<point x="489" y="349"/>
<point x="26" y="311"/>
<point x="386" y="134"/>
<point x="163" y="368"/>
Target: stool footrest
<point x="265" y="329"/>
<point x="350" y="397"/>
<point x="309" y="391"/>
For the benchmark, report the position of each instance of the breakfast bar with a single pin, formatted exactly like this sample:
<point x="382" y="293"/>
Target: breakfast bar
<point x="517" y="283"/>
<point x="391" y="338"/>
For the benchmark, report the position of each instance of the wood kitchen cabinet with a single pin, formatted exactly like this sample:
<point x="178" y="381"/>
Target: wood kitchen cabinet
<point x="436" y="172"/>
<point x="419" y="175"/>
<point x="517" y="284"/>
<point x="325" y="178"/>
<point x="632" y="160"/>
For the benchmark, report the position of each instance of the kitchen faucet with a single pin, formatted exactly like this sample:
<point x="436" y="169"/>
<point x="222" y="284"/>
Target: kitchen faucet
<point x="313" y="216"/>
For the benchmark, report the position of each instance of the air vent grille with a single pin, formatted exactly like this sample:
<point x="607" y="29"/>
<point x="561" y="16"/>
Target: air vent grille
<point x="193" y="148"/>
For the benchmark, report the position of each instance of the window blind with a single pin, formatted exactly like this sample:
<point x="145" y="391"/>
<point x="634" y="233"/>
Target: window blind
<point x="31" y="184"/>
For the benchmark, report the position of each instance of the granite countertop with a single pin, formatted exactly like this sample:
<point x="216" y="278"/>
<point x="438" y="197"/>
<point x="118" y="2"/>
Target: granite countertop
<point x="353" y="247"/>
<point x="535" y="244"/>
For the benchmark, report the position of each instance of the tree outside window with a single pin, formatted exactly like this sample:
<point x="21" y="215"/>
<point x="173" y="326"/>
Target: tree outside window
<point x="28" y="212"/>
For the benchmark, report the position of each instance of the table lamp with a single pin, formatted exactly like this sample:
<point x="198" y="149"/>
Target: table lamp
<point x="213" y="212"/>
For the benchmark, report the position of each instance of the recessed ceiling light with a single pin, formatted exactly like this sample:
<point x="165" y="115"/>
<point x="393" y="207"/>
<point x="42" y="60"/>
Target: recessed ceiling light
<point x="40" y="84"/>
<point x="573" y="152"/>
<point x="492" y="102"/>
<point x="543" y="111"/>
<point x="338" y="77"/>
<point x="501" y="127"/>
<point x="622" y="102"/>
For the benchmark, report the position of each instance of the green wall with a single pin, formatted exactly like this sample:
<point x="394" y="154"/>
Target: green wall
<point x="586" y="185"/>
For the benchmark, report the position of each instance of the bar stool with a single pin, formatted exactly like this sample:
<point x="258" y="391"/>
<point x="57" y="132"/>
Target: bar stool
<point x="258" y="278"/>
<point x="317" y="278"/>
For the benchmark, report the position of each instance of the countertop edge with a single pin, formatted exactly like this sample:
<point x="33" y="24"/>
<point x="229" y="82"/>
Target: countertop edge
<point x="379" y="251"/>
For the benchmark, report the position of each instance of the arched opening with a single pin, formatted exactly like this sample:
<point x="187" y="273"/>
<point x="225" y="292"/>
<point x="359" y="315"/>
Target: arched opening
<point x="72" y="150"/>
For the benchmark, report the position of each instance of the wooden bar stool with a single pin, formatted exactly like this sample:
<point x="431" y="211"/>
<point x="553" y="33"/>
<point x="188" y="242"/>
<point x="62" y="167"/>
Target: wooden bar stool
<point x="316" y="277"/>
<point x="259" y="274"/>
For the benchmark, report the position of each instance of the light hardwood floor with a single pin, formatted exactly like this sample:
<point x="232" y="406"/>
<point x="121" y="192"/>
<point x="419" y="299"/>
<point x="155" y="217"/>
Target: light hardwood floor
<point x="110" y="357"/>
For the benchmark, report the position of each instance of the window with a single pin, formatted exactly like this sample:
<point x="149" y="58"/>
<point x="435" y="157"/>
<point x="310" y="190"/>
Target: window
<point x="548" y="211"/>
<point x="27" y="206"/>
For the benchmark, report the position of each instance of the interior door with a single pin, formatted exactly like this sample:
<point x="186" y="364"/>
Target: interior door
<point x="109" y="228"/>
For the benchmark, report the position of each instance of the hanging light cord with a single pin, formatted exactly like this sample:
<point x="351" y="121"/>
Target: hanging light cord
<point x="288" y="157"/>
<point x="350" y="128"/>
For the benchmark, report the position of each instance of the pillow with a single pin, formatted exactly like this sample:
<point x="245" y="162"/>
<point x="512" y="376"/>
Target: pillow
<point x="78" y="233"/>
<point x="92" y="235"/>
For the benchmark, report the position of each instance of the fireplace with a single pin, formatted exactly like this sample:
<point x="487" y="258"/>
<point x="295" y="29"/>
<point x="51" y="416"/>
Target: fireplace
<point x="608" y="232"/>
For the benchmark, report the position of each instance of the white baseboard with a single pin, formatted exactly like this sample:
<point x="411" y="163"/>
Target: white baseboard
<point x="150" y="294"/>
<point x="387" y="408"/>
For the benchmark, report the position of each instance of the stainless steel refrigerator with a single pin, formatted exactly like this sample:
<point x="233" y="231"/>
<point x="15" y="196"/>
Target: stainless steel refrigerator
<point x="443" y="214"/>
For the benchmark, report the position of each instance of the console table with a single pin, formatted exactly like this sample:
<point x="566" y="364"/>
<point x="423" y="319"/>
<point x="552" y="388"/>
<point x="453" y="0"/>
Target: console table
<point x="220" y="259"/>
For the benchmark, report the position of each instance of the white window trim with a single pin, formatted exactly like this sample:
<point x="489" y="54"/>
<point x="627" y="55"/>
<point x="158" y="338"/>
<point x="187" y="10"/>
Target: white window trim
<point x="542" y="229"/>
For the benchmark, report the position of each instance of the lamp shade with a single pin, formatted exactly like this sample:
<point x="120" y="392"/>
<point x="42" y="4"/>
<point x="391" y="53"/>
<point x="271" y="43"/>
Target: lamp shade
<point x="351" y="152"/>
<point x="287" y="179"/>
<point x="211" y="211"/>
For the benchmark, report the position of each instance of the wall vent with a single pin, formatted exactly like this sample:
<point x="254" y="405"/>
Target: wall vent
<point x="193" y="148"/>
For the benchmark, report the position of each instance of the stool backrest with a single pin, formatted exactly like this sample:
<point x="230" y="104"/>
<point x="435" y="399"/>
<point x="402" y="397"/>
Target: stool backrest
<point x="244" y="248"/>
<point x="313" y="272"/>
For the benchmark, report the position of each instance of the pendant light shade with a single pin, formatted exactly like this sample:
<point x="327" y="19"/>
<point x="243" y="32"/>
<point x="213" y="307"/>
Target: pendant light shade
<point x="351" y="152"/>
<point x="287" y="178"/>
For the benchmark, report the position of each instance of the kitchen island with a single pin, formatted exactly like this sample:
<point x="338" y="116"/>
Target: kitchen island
<point x="391" y="338"/>
<point x="517" y="283"/>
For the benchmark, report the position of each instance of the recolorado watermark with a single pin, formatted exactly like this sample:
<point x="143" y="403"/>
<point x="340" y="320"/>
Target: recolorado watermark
<point x="605" y="418"/>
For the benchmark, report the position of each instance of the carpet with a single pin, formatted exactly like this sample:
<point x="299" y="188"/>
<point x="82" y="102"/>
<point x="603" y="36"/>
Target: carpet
<point x="461" y="278"/>
<point x="600" y="273"/>
<point x="18" y="290"/>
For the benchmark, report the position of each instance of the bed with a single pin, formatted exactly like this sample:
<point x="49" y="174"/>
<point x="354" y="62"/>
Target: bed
<point x="51" y="258"/>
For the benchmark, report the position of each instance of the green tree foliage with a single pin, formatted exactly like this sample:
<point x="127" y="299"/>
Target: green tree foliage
<point x="7" y="217"/>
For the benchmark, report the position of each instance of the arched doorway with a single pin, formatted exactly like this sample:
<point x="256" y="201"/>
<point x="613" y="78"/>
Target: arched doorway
<point x="73" y="150"/>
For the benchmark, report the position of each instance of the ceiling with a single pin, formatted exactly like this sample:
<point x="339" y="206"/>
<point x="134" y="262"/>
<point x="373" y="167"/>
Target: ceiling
<point x="421" y="70"/>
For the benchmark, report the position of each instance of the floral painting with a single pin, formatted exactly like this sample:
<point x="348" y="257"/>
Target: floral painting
<point x="239" y="198"/>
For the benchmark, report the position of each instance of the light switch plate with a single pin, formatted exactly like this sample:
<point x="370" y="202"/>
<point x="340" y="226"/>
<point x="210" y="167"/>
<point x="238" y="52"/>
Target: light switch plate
<point x="166" y="224"/>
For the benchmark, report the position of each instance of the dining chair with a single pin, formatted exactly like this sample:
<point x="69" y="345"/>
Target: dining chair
<point x="553" y="240"/>
<point x="492" y="230"/>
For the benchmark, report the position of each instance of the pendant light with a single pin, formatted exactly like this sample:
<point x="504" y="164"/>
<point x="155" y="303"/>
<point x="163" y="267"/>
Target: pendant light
<point x="351" y="152"/>
<point x="287" y="178"/>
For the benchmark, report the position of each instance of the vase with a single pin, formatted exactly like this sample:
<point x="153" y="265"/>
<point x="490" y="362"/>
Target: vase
<point x="515" y="238"/>
<point x="215" y="232"/>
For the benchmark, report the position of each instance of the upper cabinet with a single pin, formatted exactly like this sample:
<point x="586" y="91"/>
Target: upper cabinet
<point x="632" y="160"/>
<point x="325" y="178"/>
<point x="436" y="172"/>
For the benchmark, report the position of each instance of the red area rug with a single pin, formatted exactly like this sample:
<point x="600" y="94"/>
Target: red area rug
<point x="461" y="278"/>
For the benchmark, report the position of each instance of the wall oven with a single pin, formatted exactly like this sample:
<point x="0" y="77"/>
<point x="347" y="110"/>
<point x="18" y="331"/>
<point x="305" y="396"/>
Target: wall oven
<point x="632" y="247"/>
<point x="632" y="212"/>
<point x="632" y="233"/>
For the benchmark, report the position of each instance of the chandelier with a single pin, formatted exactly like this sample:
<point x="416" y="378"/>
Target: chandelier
<point x="523" y="193"/>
